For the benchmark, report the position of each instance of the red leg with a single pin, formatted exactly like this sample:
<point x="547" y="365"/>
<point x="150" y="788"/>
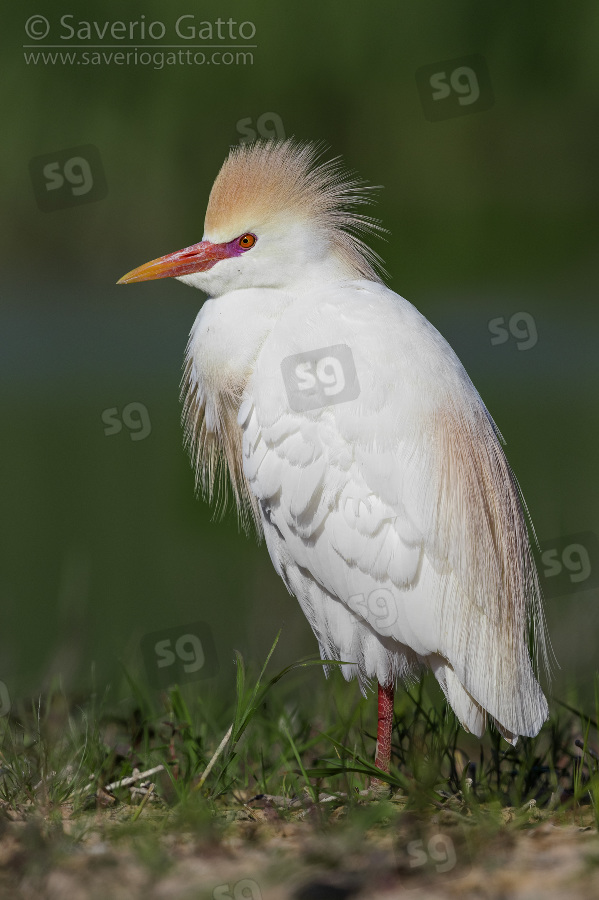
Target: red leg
<point x="385" y="726"/>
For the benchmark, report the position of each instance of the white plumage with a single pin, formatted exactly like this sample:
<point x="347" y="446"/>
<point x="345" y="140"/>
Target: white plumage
<point x="392" y="516"/>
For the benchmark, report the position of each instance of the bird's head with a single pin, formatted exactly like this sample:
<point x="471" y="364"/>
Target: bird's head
<point x="276" y="217"/>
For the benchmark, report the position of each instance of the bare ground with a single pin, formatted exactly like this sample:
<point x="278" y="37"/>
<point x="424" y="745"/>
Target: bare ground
<point x="263" y="854"/>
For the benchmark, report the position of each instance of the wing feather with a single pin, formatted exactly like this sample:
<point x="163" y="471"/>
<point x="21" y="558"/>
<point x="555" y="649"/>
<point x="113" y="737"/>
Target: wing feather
<point x="394" y="516"/>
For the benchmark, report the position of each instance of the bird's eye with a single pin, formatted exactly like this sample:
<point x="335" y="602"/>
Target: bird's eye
<point x="247" y="241"/>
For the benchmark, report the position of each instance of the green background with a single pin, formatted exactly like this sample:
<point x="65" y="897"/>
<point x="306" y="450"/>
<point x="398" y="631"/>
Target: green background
<point x="490" y="214"/>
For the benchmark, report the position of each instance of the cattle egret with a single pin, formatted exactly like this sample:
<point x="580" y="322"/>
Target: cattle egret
<point x="357" y="443"/>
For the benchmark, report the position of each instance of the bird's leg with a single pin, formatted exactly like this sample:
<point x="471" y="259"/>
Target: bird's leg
<point x="385" y="726"/>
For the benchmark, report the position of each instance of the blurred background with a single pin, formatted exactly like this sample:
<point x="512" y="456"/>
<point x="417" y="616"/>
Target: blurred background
<point x="482" y="125"/>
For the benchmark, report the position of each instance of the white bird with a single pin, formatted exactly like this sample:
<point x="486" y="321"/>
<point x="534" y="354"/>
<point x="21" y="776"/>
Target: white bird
<point x="356" y="441"/>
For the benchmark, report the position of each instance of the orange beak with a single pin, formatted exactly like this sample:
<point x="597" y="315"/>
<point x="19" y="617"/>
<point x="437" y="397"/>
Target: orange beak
<point x="197" y="258"/>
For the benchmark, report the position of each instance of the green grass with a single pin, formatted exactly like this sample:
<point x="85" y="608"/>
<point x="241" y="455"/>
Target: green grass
<point x="288" y="757"/>
<point x="60" y="749"/>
